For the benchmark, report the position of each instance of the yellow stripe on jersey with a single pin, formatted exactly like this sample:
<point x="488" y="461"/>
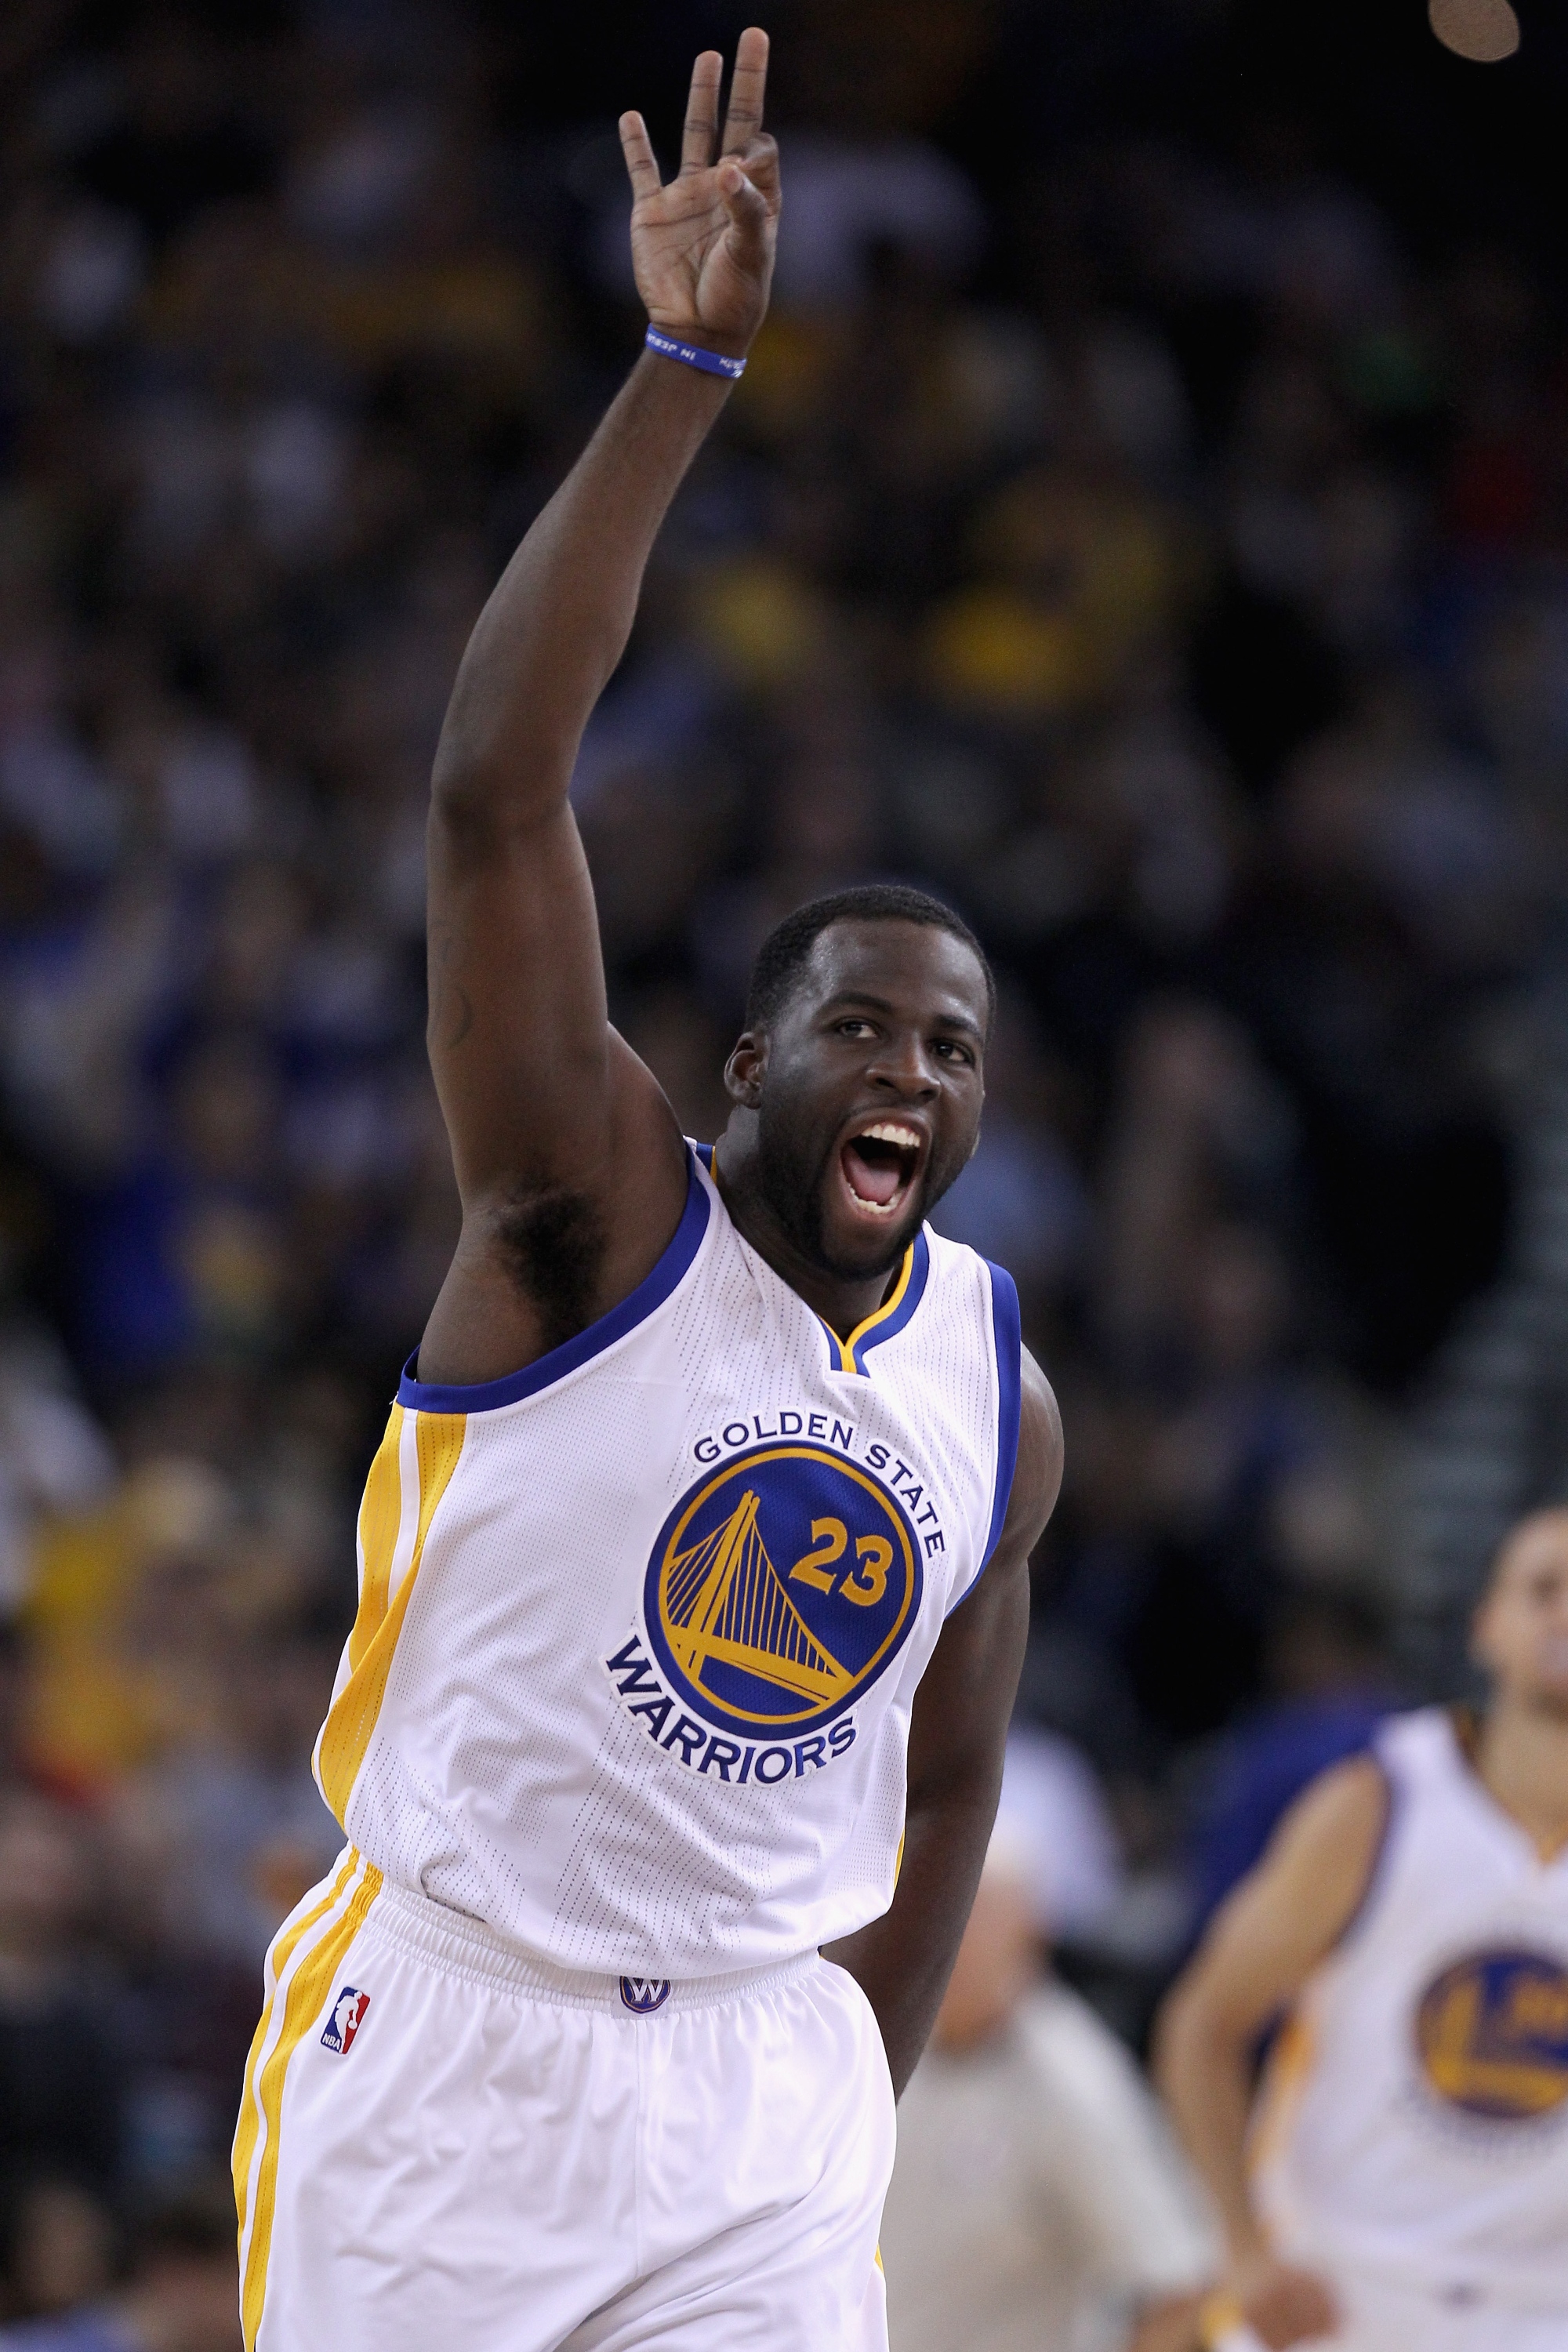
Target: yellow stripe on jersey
<point x="379" y="1515"/>
<point x="346" y="1734"/>
<point x="310" y="1990"/>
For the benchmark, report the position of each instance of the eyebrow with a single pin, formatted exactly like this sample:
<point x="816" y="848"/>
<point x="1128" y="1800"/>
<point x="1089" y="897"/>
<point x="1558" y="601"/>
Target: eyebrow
<point x="847" y="996"/>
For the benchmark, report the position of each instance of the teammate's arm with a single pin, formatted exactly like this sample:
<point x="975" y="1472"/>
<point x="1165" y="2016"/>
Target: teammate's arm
<point x="957" y="1734"/>
<point x="1265" y="1942"/>
<point x="569" y="1161"/>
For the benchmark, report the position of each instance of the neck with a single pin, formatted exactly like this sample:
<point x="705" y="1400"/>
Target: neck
<point x="843" y="1301"/>
<point x="1522" y="1755"/>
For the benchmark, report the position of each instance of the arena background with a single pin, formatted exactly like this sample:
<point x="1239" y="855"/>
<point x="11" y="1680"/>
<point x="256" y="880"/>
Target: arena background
<point x="1144" y="521"/>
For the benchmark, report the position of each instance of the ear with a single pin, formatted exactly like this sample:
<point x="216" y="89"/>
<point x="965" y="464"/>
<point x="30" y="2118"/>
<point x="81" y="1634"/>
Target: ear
<point x="746" y="1068"/>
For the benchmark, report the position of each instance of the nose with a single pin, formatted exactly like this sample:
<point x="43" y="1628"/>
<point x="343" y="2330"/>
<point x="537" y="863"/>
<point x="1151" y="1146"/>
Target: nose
<point x="906" y="1069"/>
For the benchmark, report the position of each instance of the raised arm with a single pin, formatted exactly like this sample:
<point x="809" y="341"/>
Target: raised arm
<point x="957" y="1736"/>
<point x="1265" y="1942"/>
<point x="569" y="1163"/>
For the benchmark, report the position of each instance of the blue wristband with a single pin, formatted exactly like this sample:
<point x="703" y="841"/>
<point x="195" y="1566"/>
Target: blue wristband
<point x="693" y="355"/>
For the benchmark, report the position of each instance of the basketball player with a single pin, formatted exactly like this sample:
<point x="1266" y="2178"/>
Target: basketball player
<point x="705" y="1462"/>
<point x="1409" y="2183"/>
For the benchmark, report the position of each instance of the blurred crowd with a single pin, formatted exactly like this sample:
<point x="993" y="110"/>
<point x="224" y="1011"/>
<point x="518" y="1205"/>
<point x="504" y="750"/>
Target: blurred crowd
<point x="1138" y="545"/>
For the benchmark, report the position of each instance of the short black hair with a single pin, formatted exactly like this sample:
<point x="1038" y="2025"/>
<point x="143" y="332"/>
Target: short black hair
<point x="783" y="954"/>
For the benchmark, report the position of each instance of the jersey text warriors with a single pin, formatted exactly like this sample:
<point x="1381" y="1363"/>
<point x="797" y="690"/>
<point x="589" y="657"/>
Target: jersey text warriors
<point x="639" y="1628"/>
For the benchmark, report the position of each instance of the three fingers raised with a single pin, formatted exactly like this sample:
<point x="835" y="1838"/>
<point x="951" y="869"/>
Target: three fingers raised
<point x="741" y="122"/>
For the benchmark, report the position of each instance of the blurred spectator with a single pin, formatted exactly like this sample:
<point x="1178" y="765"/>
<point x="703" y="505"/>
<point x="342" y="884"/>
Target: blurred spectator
<point x="1059" y="1830"/>
<point x="1036" y="2200"/>
<point x="128" y="1620"/>
<point x="62" y="2076"/>
<point x="19" y="1768"/>
<point x="224" y="1835"/>
<point x="1020" y="1201"/>
<point x="52" y="1455"/>
<point x="182" y="2293"/>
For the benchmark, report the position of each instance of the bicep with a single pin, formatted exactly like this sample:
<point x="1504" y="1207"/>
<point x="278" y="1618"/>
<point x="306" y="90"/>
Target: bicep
<point x="518" y="1031"/>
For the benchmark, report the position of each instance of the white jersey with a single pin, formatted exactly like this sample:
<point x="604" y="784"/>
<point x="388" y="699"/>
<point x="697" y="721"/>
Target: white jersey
<point x="1415" y="2126"/>
<point x="640" y="1627"/>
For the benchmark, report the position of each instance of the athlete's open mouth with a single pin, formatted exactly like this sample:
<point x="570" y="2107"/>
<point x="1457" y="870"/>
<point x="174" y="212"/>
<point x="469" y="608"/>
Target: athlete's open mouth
<point x="879" y="1166"/>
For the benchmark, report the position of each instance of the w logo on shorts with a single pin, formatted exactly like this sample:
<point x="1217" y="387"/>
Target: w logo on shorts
<point x="642" y="1995"/>
<point x="347" y="2017"/>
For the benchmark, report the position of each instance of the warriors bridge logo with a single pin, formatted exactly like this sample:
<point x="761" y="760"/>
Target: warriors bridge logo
<point x="1492" y="2033"/>
<point x="779" y="1590"/>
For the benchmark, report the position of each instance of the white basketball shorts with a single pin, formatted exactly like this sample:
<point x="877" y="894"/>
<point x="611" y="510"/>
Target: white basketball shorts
<point x="445" y="2142"/>
<point x="1383" y="2317"/>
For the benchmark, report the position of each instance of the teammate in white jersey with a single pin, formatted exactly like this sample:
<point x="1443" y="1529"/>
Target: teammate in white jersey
<point x="1405" y="2188"/>
<point x="705" y="1462"/>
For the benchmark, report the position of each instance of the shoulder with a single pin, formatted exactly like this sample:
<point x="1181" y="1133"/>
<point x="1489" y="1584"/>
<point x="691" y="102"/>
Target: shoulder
<point x="1419" y="1739"/>
<point x="984" y="1296"/>
<point x="1337" y="1821"/>
<point x="1315" y="1873"/>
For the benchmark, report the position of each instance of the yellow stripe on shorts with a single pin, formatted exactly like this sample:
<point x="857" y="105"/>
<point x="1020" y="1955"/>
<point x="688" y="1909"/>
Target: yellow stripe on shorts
<point x="346" y="1734"/>
<point x="277" y="1961"/>
<point x="308" y="1990"/>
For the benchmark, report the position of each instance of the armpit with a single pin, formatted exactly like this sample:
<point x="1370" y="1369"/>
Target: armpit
<point x="552" y="1244"/>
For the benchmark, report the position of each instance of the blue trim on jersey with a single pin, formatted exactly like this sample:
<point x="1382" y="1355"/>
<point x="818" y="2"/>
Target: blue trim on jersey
<point x="1009" y="1335"/>
<point x="485" y="1396"/>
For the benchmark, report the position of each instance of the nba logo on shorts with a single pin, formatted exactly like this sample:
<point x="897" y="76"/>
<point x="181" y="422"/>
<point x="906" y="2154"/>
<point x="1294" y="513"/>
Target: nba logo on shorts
<point x="642" y="1995"/>
<point x="347" y="2017"/>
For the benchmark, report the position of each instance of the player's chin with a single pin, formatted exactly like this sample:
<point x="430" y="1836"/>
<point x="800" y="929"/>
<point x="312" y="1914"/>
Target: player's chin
<point x="863" y="1239"/>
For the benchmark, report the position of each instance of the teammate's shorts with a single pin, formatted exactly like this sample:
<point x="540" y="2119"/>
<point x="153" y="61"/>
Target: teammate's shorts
<point x="445" y="2143"/>
<point x="1383" y="2317"/>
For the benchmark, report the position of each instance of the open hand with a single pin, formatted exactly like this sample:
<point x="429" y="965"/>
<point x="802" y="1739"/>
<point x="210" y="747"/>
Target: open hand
<point x="702" y="247"/>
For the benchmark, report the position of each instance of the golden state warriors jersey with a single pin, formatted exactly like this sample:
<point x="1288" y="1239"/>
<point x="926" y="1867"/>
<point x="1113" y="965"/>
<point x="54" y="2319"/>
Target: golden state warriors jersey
<point x="640" y="1627"/>
<point x="1414" y="2126"/>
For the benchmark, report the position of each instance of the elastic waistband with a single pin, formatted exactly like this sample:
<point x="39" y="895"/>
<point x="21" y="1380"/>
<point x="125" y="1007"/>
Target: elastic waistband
<point x="461" y="1946"/>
